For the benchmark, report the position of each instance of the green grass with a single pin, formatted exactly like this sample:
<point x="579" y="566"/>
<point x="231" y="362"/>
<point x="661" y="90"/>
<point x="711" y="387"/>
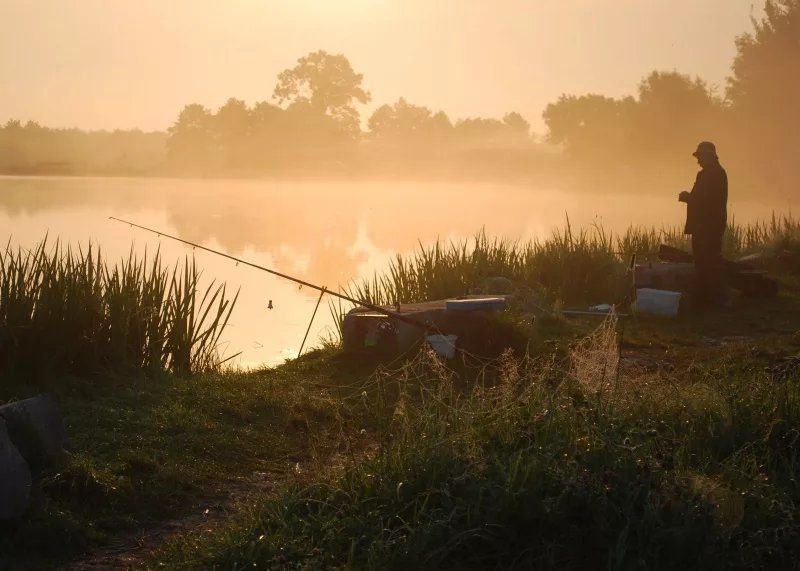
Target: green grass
<point x="518" y="464"/>
<point x="686" y="458"/>
<point x="146" y="450"/>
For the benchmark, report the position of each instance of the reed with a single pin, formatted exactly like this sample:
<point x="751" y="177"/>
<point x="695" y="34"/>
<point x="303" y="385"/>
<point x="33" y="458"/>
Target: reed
<point x="574" y="266"/>
<point x="67" y="311"/>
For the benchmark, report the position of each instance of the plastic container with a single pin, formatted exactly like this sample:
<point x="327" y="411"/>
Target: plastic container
<point x="444" y="345"/>
<point x="657" y="301"/>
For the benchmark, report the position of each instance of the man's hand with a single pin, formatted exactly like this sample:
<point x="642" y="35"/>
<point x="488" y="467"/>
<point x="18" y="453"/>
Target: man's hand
<point x="683" y="197"/>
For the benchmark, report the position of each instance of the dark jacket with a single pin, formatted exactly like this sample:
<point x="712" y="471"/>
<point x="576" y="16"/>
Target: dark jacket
<point x="707" y="205"/>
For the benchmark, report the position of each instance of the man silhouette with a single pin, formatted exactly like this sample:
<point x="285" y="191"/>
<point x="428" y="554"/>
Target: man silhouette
<point x="706" y="218"/>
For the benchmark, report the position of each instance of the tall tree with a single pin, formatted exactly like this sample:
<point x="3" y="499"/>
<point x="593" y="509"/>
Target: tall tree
<point x="324" y="84"/>
<point x="766" y="71"/>
<point x="764" y="91"/>
<point x="673" y="113"/>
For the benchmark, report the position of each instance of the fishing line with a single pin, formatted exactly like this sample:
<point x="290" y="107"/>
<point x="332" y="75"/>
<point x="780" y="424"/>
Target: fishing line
<point x="322" y="289"/>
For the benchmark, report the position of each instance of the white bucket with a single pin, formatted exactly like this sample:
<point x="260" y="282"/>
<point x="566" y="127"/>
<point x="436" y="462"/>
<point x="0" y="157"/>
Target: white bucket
<point x="444" y="345"/>
<point x="657" y="301"/>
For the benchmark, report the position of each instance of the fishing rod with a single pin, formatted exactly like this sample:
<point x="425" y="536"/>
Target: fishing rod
<point x="323" y="290"/>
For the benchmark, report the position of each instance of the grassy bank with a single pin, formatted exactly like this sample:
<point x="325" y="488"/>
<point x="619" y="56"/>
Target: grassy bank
<point x="673" y="446"/>
<point x="660" y="444"/>
<point x="688" y="458"/>
<point x="145" y="451"/>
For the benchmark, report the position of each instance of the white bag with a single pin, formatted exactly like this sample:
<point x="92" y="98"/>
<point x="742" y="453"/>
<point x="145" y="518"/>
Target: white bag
<point x="657" y="301"/>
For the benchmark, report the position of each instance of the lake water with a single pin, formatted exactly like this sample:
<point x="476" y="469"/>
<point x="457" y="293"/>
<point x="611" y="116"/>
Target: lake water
<point x="327" y="233"/>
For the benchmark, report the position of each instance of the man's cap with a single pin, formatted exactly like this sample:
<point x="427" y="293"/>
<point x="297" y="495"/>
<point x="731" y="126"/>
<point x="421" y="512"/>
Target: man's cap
<point x="705" y="148"/>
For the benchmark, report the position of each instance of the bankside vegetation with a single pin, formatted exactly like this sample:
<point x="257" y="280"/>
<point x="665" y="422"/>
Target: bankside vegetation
<point x="584" y="266"/>
<point x="66" y="311"/>
<point x="658" y="444"/>
<point x="549" y="462"/>
<point x="667" y="443"/>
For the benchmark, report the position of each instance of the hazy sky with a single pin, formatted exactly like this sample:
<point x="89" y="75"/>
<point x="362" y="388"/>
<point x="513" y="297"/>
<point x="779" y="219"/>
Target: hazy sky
<point x="135" y="63"/>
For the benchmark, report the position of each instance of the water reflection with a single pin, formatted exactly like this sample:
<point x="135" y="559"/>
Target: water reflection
<point x="326" y="233"/>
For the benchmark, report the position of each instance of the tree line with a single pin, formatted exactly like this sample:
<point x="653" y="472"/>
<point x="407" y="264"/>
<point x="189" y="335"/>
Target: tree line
<point x="31" y="149"/>
<point x="754" y="120"/>
<point x="312" y="124"/>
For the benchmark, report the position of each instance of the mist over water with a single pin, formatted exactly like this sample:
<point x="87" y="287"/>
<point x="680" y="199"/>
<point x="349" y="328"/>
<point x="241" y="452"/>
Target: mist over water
<point x="328" y="233"/>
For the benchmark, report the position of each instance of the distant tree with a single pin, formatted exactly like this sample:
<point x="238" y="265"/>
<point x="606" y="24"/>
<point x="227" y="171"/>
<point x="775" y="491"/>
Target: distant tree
<point x="265" y="116"/>
<point x="324" y="84"/>
<point x="764" y="92"/>
<point x="441" y="123"/>
<point x="191" y="139"/>
<point x="404" y="120"/>
<point x="232" y="120"/>
<point x="517" y="124"/>
<point x="673" y="93"/>
<point x="590" y="125"/>
<point x="673" y="113"/>
<point x="479" y="128"/>
<point x="232" y="129"/>
<point x="766" y="71"/>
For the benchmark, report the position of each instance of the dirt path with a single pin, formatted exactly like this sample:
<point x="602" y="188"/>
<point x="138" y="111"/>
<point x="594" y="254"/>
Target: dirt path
<point x="132" y="550"/>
